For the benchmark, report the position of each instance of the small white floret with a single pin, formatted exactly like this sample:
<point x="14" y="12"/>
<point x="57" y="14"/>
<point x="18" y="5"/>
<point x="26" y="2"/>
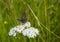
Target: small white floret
<point x="12" y="32"/>
<point x="27" y="24"/>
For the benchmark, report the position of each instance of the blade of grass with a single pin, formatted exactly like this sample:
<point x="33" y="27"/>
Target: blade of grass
<point x="47" y="21"/>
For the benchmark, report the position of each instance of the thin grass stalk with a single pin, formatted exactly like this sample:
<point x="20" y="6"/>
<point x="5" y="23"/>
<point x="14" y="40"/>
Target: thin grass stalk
<point x="47" y="21"/>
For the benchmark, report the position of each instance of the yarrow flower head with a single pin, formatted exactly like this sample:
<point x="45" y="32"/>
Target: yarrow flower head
<point x="15" y="30"/>
<point x="30" y="32"/>
<point x="25" y="29"/>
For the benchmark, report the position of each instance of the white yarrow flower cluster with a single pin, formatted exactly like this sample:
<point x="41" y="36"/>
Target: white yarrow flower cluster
<point x="25" y="29"/>
<point x="30" y="32"/>
<point x="15" y="30"/>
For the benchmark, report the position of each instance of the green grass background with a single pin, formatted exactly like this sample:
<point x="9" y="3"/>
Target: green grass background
<point x="47" y="12"/>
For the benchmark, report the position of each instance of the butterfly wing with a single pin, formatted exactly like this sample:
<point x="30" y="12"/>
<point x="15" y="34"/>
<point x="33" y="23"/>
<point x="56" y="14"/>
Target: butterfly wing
<point x="23" y="18"/>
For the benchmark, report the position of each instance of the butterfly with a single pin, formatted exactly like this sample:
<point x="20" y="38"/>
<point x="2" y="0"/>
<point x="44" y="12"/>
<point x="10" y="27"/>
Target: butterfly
<point x="23" y="18"/>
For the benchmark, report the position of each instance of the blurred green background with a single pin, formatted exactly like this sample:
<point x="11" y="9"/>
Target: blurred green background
<point x="47" y="11"/>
